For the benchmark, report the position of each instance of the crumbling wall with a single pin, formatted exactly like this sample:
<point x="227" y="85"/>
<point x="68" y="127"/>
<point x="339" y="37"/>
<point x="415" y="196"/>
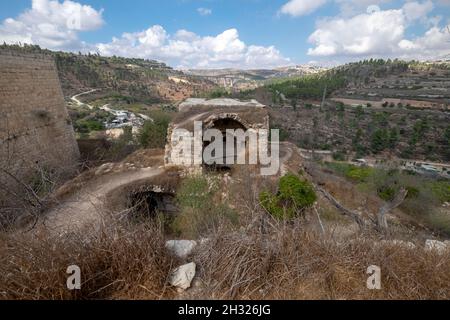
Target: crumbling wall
<point x="250" y="117"/>
<point x="35" y="128"/>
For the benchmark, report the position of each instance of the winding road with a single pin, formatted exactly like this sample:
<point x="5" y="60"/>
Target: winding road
<point x="87" y="207"/>
<point x="78" y="102"/>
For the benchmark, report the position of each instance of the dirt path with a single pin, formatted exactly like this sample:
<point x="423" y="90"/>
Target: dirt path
<point x="78" y="102"/>
<point x="87" y="207"/>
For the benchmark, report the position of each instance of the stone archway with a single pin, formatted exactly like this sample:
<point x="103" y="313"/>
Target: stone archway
<point x="224" y="123"/>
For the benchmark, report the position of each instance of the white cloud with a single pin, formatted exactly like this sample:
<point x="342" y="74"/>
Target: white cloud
<point x="51" y="24"/>
<point x="298" y="8"/>
<point x="56" y="25"/>
<point x="381" y="33"/>
<point x="204" y="11"/>
<point x="186" y="49"/>
<point x="353" y="7"/>
<point x="416" y="10"/>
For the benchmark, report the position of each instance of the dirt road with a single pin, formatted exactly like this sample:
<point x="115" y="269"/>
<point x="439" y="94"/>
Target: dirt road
<point x="78" y="102"/>
<point x="87" y="206"/>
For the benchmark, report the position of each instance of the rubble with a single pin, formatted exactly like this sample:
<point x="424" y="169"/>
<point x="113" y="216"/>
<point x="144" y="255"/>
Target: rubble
<point x="182" y="277"/>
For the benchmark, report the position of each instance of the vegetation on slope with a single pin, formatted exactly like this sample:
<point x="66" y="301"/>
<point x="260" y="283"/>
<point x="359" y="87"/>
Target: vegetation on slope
<point x="139" y="80"/>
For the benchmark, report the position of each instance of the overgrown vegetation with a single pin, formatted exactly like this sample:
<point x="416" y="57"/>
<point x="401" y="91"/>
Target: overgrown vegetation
<point x="310" y="87"/>
<point x="154" y="133"/>
<point x="117" y="262"/>
<point x="425" y="195"/>
<point x="293" y="197"/>
<point x="199" y="210"/>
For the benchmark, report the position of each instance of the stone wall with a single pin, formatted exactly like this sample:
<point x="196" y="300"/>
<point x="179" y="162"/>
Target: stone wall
<point x="251" y="117"/>
<point x="35" y="128"/>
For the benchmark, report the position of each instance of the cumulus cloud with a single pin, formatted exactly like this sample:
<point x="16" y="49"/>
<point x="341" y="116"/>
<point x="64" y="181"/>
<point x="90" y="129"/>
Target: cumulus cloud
<point x="52" y="24"/>
<point x="186" y="49"/>
<point x="204" y="11"/>
<point x="56" y="25"/>
<point x="416" y="10"/>
<point x="381" y="33"/>
<point x="298" y="8"/>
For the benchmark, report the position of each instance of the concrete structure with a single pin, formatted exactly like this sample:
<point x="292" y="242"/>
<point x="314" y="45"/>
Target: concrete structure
<point x="221" y="114"/>
<point x="35" y="127"/>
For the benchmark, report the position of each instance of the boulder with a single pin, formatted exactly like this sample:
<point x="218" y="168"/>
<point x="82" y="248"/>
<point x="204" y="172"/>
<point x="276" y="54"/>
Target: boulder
<point x="181" y="248"/>
<point x="435" y="245"/>
<point x="182" y="277"/>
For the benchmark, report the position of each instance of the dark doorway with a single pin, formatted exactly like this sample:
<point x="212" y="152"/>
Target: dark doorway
<point x="223" y="125"/>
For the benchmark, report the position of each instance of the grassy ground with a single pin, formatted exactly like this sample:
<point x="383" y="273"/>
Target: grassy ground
<point x="426" y="196"/>
<point x="251" y="256"/>
<point x="269" y="260"/>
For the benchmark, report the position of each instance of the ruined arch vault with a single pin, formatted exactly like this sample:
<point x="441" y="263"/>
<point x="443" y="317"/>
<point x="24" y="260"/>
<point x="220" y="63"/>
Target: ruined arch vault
<point x="220" y="114"/>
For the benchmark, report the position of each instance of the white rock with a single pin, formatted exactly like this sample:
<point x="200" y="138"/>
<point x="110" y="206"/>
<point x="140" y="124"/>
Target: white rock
<point x="438" y="246"/>
<point x="398" y="243"/>
<point x="181" y="248"/>
<point x="182" y="276"/>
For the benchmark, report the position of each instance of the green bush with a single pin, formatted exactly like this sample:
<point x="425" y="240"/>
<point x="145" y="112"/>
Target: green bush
<point x="387" y="193"/>
<point x="294" y="196"/>
<point x="441" y="189"/>
<point x="359" y="174"/>
<point x="87" y="126"/>
<point x="154" y="133"/>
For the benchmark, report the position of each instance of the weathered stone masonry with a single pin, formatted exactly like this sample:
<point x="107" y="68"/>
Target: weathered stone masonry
<point x="247" y="115"/>
<point x="35" y="128"/>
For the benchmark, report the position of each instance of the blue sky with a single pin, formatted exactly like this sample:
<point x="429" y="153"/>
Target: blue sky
<point x="234" y="33"/>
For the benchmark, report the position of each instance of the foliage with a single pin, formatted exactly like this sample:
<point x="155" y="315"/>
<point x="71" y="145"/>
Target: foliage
<point x="88" y="125"/>
<point x="154" y="133"/>
<point x="307" y="87"/>
<point x="294" y="195"/>
<point x="359" y="174"/>
<point x="198" y="210"/>
<point x="219" y="93"/>
<point x="383" y="139"/>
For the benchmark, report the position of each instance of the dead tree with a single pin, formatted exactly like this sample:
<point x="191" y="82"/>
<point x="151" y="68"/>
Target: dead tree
<point x="382" y="224"/>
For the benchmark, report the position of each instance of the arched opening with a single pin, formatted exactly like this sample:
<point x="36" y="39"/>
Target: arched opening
<point x="149" y="203"/>
<point x="229" y="157"/>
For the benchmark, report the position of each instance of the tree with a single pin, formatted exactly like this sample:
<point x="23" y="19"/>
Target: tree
<point x="154" y="133"/>
<point x="380" y="140"/>
<point x="293" y="197"/>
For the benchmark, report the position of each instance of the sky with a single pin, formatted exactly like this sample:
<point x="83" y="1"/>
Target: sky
<point x="244" y="34"/>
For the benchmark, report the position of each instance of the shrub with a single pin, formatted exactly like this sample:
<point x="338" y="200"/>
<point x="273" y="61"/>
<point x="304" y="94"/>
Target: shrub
<point x="359" y="174"/>
<point x="294" y="195"/>
<point x="387" y="193"/>
<point x="441" y="189"/>
<point x="339" y="156"/>
<point x="154" y="133"/>
<point x="87" y="126"/>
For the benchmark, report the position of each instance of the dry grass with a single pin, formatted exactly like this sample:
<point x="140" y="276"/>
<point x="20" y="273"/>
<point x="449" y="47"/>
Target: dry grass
<point x="126" y="262"/>
<point x="258" y="258"/>
<point x="288" y="262"/>
<point x="268" y="261"/>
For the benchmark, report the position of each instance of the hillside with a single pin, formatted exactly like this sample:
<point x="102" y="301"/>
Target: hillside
<point x="373" y="108"/>
<point x="250" y="79"/>
<point x="138" y="80"/>
<point x="417" y="84"/>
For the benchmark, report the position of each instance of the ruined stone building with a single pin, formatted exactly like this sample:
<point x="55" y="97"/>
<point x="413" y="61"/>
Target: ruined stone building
<point x="35" y="128"/>
<point x="220" y="114"/>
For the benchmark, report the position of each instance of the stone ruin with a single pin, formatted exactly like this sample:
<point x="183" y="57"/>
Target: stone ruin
<point x="221" y="114"/>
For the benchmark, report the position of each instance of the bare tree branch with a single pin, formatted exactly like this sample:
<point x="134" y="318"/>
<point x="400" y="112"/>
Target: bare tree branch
<point x="355" y="216"/>
<point x="388" y="207"/>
